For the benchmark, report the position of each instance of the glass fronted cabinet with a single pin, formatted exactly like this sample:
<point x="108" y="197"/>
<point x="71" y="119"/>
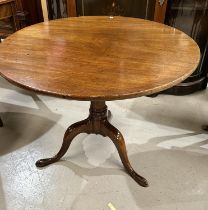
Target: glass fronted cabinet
<point x="147" y="9"/>
<point x="131" y="8"/>
<point x="189" y="16"/>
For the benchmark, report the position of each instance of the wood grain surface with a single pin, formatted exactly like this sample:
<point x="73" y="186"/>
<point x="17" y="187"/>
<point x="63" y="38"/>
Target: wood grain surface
<point x="98" y="58"/>
<point x="6" y="1"/>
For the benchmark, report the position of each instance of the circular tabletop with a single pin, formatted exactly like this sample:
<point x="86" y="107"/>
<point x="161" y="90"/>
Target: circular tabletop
<point x="98" y="58"/>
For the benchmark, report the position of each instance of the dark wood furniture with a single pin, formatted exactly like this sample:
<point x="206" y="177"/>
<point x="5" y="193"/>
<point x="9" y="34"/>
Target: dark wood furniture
<point x="160" y="10"/>
<point x="131" y="8"/>
<point x="118" y="58"/>
<point x="13" y="16"/>
<point x="22" y="15"/>
<point x="30" y="11"/>
<point x="71" y="8"/>
<point x="151" y="9"/>
<point x="9" y="23"/>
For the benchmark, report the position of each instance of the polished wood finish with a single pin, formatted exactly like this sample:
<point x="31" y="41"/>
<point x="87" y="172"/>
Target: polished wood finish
<point x="6" y="8"/>
<point x="98" y="59"/>
<point x="160" y="11"/>
<point x="19" y="5"/>
<point x="96" y="123"/>
<point x="33" y="7"/>
<point x="71" y="8"/>
<point x="123" y="57"/>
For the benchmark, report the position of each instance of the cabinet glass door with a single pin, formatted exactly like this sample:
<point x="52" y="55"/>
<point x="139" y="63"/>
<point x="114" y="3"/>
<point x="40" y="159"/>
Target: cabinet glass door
<point x="131" y="8"/>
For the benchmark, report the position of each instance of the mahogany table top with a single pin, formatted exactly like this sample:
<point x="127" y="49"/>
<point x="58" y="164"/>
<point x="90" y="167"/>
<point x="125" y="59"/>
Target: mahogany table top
<point x="98" y="58"/>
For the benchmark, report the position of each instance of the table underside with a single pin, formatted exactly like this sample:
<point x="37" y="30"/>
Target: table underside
<point x="96" y="123"/>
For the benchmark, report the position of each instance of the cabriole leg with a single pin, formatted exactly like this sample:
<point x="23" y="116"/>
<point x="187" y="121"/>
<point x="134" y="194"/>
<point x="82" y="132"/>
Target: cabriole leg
<point x="96" y="123"/>
<point x="118" y="140"/>
<point x="71" y="133"/>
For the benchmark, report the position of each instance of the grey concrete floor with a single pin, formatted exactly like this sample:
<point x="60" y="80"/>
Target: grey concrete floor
<point x="164" y="140"/>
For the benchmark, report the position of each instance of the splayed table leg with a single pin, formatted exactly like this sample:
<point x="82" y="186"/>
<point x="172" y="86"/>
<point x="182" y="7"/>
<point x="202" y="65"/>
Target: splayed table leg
<point x="96" y="123"/>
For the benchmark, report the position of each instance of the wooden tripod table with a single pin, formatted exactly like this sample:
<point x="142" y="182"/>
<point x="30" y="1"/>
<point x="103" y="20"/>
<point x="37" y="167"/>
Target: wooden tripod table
<point x="98" y="59"/>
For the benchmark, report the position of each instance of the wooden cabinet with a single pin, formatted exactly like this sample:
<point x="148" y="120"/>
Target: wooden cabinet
<point x="133" y="8"/>
<point x="34" y="9"/>
<point x="8" y="20"/>
<point x="147" y="9"/>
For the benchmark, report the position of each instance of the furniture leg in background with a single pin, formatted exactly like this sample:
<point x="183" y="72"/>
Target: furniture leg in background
<point x="205" y="127"/>
<point x="1" y="123"/>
